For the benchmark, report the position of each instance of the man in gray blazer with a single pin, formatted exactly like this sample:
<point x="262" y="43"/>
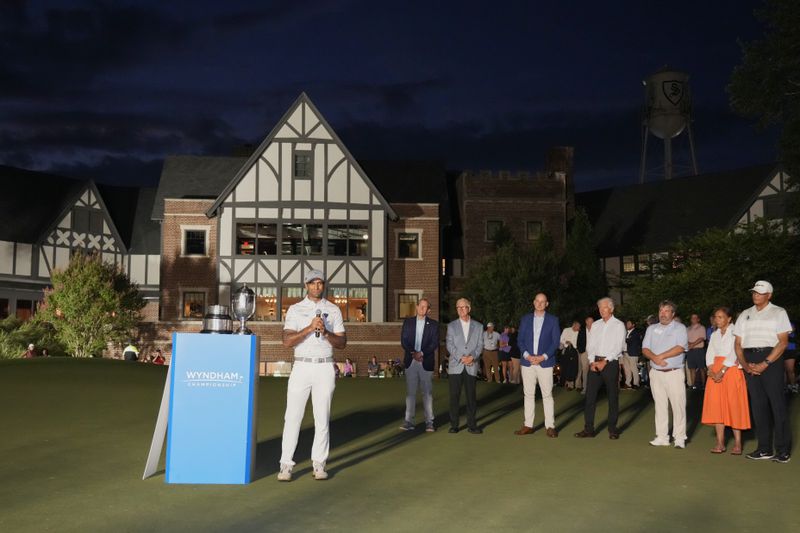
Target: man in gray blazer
<point x="464" y="344"/>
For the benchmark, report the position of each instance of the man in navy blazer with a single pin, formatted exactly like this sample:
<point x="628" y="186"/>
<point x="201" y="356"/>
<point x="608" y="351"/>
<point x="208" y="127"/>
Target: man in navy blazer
<point x="464" y="344"/>
<point x="420" y="340"/>
<point x="538" y="340"/>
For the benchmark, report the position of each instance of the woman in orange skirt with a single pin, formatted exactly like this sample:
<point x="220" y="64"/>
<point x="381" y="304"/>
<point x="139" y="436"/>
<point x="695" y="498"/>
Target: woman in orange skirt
<point x="725" y="402"/>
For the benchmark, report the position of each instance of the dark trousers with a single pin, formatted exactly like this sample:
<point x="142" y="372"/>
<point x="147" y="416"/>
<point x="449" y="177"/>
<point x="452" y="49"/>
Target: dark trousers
<point x="766" y="394"/>
<point x="610" y="377"/>
<point x="455" y="398"/>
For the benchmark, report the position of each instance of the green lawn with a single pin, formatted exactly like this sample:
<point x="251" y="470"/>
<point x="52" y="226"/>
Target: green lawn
<point x="75" y="435"/>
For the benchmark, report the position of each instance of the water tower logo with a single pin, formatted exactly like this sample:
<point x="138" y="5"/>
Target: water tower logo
<point x="673" y="90"/>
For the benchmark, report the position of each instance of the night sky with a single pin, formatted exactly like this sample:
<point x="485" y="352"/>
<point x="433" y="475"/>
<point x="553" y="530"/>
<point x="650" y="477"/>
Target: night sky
<point x="106" y="89"/>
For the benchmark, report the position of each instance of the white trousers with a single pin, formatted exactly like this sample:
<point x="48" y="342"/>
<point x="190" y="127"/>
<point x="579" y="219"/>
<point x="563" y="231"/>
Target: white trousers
<point x="318" y="380"/>
<point x="631" y="368"/>
<point x="531" y="375"/>
<point x="669" y="390"/>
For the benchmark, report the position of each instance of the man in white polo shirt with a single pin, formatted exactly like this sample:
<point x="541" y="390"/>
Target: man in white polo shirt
<point x="314" y="327"/>
<point x="665" y="345"/>
<point x="762" y="334"/>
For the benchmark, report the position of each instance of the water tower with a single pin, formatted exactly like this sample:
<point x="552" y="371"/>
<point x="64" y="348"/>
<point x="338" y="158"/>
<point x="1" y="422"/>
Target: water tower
<point x="667" y="114"/>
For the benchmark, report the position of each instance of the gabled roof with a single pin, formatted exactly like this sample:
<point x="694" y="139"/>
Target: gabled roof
<point x="192" y="176"/>
<point x="31" y="201"/>
<point x="302" y="99"/>
<point x="652" y="216"/>
<point x="34" y="202"/>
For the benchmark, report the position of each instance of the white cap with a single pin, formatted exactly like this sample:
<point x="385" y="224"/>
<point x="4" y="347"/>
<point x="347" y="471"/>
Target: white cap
<point x="762" y="287"/>
<point x="311" y="275"/>
<point x="490" y="325"/>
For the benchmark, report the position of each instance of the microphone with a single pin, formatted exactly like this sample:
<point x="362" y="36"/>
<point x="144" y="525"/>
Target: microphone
<point x="317" y="331"/>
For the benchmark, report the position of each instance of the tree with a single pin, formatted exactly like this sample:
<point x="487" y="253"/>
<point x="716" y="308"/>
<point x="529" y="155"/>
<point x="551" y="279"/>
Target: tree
<point x="718" y="267"/>
<point x="581" y="282"/>
<point x="501" y="288"/>
<point x="766" y="85"/>
<point x="91" y="304"/>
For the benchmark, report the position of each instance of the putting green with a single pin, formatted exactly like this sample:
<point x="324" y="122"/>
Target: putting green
<point x="76" y="434"/>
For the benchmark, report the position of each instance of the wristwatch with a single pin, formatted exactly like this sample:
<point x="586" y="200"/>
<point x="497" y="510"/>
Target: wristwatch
<point x="767" y="361"/>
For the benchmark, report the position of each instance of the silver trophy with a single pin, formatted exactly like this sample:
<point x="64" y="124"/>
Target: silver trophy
<point x="243" y="304"/>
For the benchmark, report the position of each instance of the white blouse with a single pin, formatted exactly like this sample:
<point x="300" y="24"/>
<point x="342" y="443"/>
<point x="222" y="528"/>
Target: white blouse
<point x="722" y="346"/>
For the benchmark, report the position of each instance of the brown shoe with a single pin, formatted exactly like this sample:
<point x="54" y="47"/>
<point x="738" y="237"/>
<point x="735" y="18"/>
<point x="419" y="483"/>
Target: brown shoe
<point x="524" y="430"/>
<point x="552" y="433"/>
<point x="583" y="434"/>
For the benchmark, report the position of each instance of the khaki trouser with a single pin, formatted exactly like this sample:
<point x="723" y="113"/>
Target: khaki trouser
<point x="490" y="361"/>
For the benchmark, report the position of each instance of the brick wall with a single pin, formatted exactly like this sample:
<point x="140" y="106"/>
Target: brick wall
<point x="513" y="199"/>
<point x="181" y="272"/>
<point x="414" y="274"/>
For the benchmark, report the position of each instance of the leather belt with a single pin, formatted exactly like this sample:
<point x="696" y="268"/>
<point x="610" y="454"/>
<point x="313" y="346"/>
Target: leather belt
<point x="666" y="369"/>
<point x="313" y="360"/>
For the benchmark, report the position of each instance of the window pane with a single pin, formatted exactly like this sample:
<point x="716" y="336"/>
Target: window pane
<point x="25" y="309"/>
<point x="96" y="222"/>
<point x="3" y="308"/>
<point x="302" y="165"/>
<point x="338" y="295"/>
<point x="313" y="239"/>
<point x="195" y="242"/>
<point x="408" y="245"/>
<point x="533" y="230"/>
<point x="267" y="239"/>
<point x="245" y="239"/>
<point x="357" y="304"/>
<point x="292" y="239"/>
<point x="337" y="239"/>
<point x="644" y="262"/>
<point x="290" y="296"/>
<point x="406" y="305"/>
<point x="628" y="264"/>
<point x="492" y="227"/>
<point x="193" y="304"/>
<point x="80" y="220"/>
<point x="266" y="304"/>
<point x="358" y="241"/>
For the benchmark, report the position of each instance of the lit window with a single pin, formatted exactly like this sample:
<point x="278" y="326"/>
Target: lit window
<point x="25" y="309"/>
<point x="194" y="304"/>
<point x="194" y="242"/>
<point x="290" y="296"/>
<point x="351" y="239"/>
<point x="643" y="261"/>
<point x="406" y="305"/>
<point x="628" y="264"/>
<point x="408" y="246"/>
<point x="266" y="304"/>
<point x="256" y="239"/>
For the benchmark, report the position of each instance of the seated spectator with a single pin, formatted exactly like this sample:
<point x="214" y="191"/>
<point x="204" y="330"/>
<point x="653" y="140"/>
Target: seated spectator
<point x="348" y="368"/>
<point x="158" y="359"/>
<point x="390" y="369"/>
<point x="336" y="369"/>
<point x="373" y="367"/>
<point x="30" y="353"/>
<point x="45" y="353"/>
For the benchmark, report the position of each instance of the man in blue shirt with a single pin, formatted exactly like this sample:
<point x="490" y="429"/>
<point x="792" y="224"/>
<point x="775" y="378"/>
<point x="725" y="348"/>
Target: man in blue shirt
<point x="665" y="345"/>
<point x="539" y="336"/>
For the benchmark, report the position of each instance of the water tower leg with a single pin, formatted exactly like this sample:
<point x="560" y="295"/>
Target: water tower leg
<point x="667" y="158"/>
<point x="644" y="154"/>
<point x="691" y="147"/>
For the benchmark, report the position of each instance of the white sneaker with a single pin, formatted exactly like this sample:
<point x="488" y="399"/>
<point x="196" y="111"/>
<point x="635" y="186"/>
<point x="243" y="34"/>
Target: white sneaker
<point x="319" y="471"/>
<point x="659" y="442"/>
<point x="680" y="444"/>
<point x="286" y="472"/>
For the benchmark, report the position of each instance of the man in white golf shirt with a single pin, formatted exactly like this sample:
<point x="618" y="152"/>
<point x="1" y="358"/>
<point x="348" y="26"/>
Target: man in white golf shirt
<point x="314" y="327"/>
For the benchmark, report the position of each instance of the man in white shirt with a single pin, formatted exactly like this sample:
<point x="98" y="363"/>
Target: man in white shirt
<point x="604" y="348"/>
<point x="665" y="344"/>
<point x="762" y="334"/>
<point x="314" y="327"/>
